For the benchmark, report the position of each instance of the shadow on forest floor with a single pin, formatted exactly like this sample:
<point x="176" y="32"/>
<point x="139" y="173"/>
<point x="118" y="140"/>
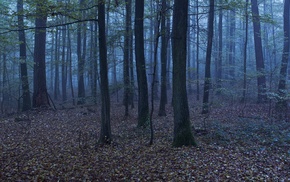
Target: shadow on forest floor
<point x="45" y="145"/>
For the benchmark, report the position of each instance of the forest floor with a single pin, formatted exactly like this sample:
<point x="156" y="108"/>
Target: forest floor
<point x="239" y="144"/>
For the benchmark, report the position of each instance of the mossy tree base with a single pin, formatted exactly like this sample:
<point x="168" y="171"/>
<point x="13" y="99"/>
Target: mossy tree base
<point x="184" y="138"/>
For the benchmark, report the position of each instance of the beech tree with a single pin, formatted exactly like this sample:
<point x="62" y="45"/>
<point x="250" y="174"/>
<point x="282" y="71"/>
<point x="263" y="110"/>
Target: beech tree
<point x="40" y="95"/>
<point x="23" y="66"/>
<point x="143" y="105"/>
<point x="207" y="79"/>
<point x="282" y="102"/>
<point x="126" y="57"/>
<point x="260" y="67"/>
<point x="182" y="129"/>
<point x="105" y="136"/>
<point x="81" y="61"/>
<point x="164" y="45"/>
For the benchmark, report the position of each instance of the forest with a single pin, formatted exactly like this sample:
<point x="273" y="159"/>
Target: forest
<point x="144" y="90"/>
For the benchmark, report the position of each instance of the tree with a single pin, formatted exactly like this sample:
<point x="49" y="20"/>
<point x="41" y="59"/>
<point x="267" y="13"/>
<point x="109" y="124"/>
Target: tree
<point x="282" y="102"/>
<point x="245" y="52"/>
<point x="105" y="136"/>
<point x="164" y="44"/>
<point x="81" y="61"/>
<point x="126" y="57"/>
<point x="40" y="95"/>
<point x="261" y="79"/>
<point x="143" y="106"/>
<point x="220" y="50"/>
<point x="182" y="129"/>
<point x="23" y="66"/>
<point x="207" y="79"/>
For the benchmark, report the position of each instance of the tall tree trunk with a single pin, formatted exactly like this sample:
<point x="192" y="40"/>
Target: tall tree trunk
<point x="56" y="63"/>
<point x="260" y="67"/>
<point x="126" y="57"/>
<point x="282" y="103"/>
<point x="69" y="58"/>
<point x="220" y="51"/>
<point x="182" y="129"/>
<point x="189" y="70"/>
<point x="131" y="65"/>
<point x="64" y="64"/>
<point x="207" y="79"/>
<point x="232" y="45"/>
<point x="164" y="45"/>
<point x="143" y="107"/>
<point x="105" y="136"/>
<point x="23" y="66"/>
<point x="95" y="65"/>
<point x="197" y="52"/>
<point x="245" y="52"/>
<point x="81" y="62"/>
<point x="40" y="95"/>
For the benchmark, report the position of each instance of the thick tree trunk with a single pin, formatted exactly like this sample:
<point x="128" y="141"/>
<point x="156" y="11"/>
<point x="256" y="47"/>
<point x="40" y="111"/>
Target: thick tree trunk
<point x="40" y="95"/>
<point x="260" y="67"/>
<point x="182" y="129"/>
<point x="207" y="79"/>
<point x="143" y="107"/>
<point x="23" y="66"/>
<point x="105" y="136"/>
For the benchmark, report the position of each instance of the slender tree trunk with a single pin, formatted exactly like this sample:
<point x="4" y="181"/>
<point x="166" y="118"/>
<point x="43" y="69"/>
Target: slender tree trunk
<point x="245" y="52"/>
<point x="164" y="45"/>
<point x="232" y="45"/>
<point x="281" y="106"/>
<point x="220" y="51"/>
<point x="197" y="52"/>
<point x="56" y="62"/>
<point x="131" y="65"/>
<point x="143" y="106"/>
<point x="207" y="79"/>
<point x="105" y="136"/>
<point x="95" y="65"/>
<point x="126" y="58"/>
<point x="260" y="67"/>
<point x="63" y="65"/>
<point x="23" y="66"/>
<point x="182" y="129"/>
<point x="81" y="61"/>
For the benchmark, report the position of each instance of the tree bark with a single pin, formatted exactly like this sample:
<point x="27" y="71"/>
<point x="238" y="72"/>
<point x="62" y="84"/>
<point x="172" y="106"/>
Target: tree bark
<point x="281" y="105"/>
<point x="182" y="129"/>
<point x="207" y="79"/>
<point x="126" y="58"/>
<point x="220" y="51"/>
<point x="260" y="67"/>
<point x="245" y="52"/>
<point x="143" y="106"/>
<point x="81" y="62"/>
<point x="40" y="95"/>
<point x="105" y="136"/>
<point x="23" y="66"/>
<point x="164" y="44"/>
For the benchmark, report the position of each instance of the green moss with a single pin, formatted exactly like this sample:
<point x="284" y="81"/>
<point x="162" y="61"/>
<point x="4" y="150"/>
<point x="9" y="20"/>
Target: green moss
<point x="184" y="138"/>
<point x="143" y="122"/>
